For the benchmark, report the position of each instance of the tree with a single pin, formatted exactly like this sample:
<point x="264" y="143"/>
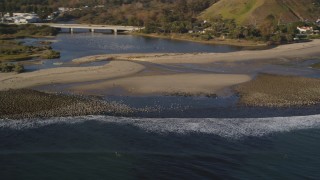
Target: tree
<point x="18" y="68"/>
<point x="150" y="27"/>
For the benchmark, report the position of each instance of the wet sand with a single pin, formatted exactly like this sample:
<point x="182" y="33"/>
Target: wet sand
<point x="280" y="91"/>
<point x="188" y="84"/>
<point x="68" y="75"/>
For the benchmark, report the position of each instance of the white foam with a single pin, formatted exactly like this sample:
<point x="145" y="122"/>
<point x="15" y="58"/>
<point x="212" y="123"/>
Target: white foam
<point x="231" y="128"/>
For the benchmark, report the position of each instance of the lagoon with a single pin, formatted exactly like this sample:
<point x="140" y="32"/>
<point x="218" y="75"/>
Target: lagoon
<point x="72" y="46"/>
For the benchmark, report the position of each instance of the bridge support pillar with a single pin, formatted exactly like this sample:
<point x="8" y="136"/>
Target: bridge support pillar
<point x="115" y="31"/>
<point x="92" y="30"/>
<point x="71" y="30"/>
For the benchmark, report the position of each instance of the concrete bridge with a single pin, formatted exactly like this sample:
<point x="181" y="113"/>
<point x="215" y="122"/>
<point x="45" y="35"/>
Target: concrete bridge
<point x="92" y="28"/>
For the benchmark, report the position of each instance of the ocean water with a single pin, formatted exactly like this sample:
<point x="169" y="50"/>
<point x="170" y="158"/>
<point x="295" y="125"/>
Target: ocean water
<point x="106" y="147"/>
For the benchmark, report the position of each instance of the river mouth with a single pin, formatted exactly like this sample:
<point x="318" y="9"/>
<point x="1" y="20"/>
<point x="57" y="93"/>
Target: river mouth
<point x="194" y="137"/>
<point x="220" y="102"/>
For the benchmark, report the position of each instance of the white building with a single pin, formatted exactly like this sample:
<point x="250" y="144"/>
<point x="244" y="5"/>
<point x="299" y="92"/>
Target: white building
<point x="32" y="19"/>
<point x="63" y="9"/>
<point x="20" y="18"/>
<point x="305" y="30"/>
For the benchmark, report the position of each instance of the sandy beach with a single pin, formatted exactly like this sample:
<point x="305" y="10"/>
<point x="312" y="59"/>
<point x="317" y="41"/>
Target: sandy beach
<point x="156" y="73"/>
<point x="188" y="84"/>
<point x="68" y="75"/>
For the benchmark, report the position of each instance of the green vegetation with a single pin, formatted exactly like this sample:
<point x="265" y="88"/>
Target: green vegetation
<point x="9" y="67"/>
<point x="314" y="36"/>
<point x="254" y="12"/>
<point x="220" y="27"/>
<point x="25" y="30"/>
<point x="15" y="57"/>
<point x="50" y="54"/>
<point x="141" y="13"/>
<point x="41" y="7"/>
<point x="316" y="66"/>
<point x="237" y="10"/>
<point x="279" y="91"/>
<point x="116" y="11"/>
<point x="11" y="50"/>
<point x="15" y="51"/>
<point x="228" y="30"/>
<point x="268" y="21"/>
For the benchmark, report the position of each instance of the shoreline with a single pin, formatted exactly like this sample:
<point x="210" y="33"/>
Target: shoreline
<point x="29" y="36"/>
<point x="27" y="104"/>
<point x="163" y="73"/>
<point x="231" y="42"/>
<point x="295" y="51"/>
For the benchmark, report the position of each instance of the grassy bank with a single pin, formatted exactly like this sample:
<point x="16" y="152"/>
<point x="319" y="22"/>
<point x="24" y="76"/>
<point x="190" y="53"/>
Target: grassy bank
<point x="25" y="30"/>
<point x="316" y="66"/>
<point x="15" y="51"/>
<point x="9" y="67"/>
<point x="279" y="91"/>
<point x="202" y="39"/>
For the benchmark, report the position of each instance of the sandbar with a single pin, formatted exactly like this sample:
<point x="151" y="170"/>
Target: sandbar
<point x="192" y="84"/>
<point x="296" y="50"/>
<point x="68" y="75"/>
<point x="126" y="71"/>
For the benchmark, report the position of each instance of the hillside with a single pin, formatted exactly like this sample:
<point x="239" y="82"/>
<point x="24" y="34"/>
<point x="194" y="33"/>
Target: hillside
<point x="256" y="11"/>
<point x="125" y="12"/>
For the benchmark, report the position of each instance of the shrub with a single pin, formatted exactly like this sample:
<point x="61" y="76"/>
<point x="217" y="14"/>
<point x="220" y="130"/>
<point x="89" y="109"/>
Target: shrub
<point x="18" y="68"/>
<point x="206" y="37"/>
<point x="10" y="67"/>
<point x="50" y="54"/>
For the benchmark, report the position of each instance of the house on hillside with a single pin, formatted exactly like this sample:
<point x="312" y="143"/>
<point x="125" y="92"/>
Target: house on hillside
<point x="63" y="9"/>
<point x="21" y="18"/>
<point x="196" y="29"/>
<point x="32" y="18"/>
<point x="305" y="30"/>
<point x="25" y="18"/>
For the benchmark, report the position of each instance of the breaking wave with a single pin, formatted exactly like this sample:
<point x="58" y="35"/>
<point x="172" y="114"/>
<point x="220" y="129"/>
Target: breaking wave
<point x="229" y="128"/>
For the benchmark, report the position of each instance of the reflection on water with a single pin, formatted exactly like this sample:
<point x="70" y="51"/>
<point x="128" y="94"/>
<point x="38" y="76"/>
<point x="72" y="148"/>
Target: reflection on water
<point x="77" y="45"/>
<point x="90" y="44"/>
